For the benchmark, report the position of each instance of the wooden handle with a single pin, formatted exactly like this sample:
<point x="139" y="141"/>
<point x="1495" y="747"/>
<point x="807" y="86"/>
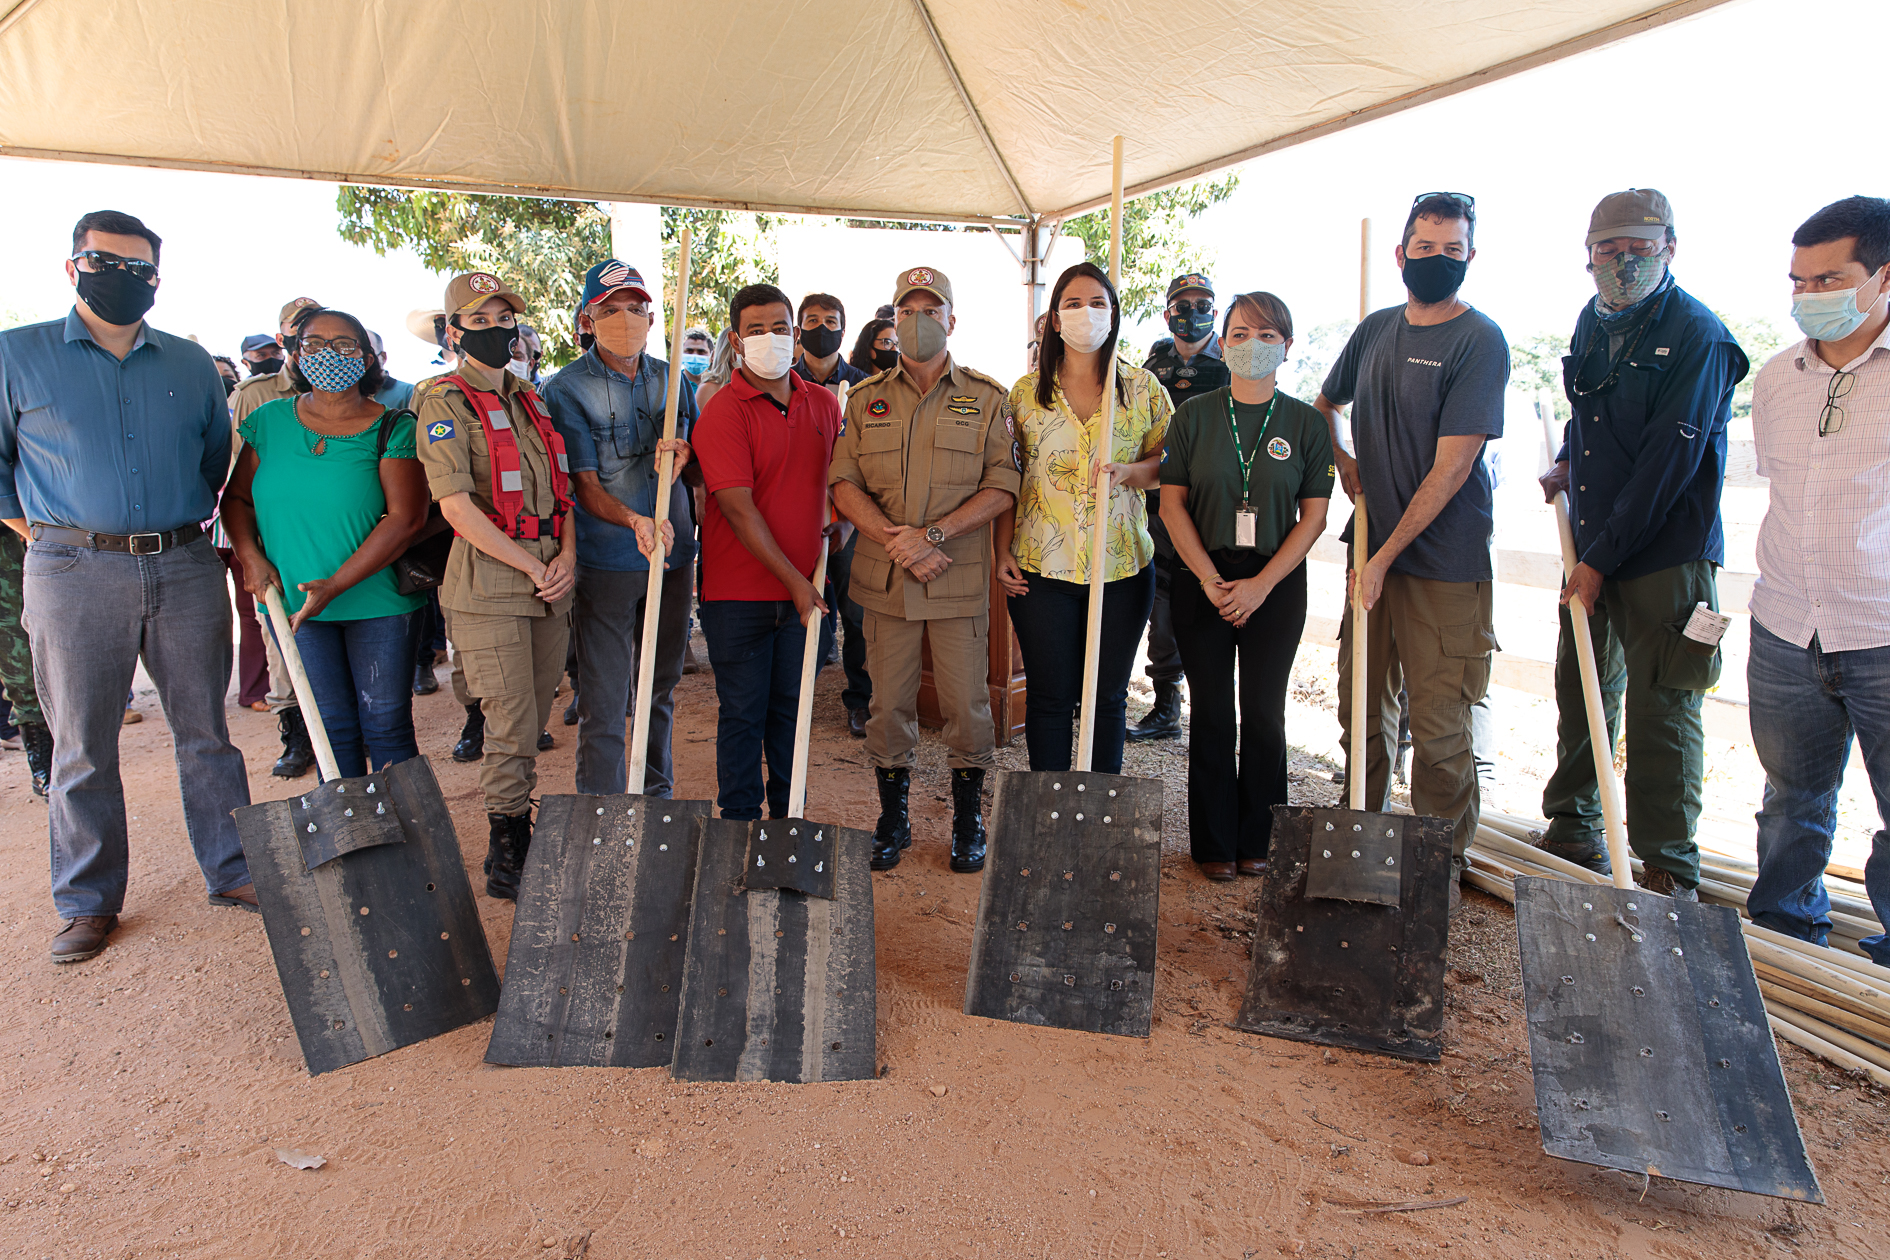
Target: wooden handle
<point x="665" y="478"/>
<point x="1613" y="812"/>
<point x="810" y="664"/>
<point x="298" y="677"/>
<point x="1361" y="653"/>
<point x="1099" y="498"/>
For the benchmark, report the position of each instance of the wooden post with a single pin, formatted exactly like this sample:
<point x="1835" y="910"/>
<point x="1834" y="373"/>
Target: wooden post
<point x="659" y="512"/>
<point x="1099" y="514"/>
<point x="1361" y="654"/>
<point x="810" y="664"/>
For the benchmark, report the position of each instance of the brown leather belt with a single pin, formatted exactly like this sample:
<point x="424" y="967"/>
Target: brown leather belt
<point x="136" y="544"/>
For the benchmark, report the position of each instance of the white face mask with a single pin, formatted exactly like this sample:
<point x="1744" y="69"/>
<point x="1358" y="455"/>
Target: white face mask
<point x="1085" y="328"/>
<point x="768" y="355"/>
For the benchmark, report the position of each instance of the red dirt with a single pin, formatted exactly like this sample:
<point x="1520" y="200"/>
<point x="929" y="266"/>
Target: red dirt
<point x="146" y="1091"/>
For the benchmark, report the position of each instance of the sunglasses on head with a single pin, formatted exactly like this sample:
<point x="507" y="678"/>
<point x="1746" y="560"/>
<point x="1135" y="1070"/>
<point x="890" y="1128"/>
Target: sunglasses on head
<point x="99" y="260"/>
<point x="1463" y="199"/>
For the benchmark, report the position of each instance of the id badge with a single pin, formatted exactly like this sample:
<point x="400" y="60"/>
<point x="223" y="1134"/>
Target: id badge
<point x="1246" y="526"/>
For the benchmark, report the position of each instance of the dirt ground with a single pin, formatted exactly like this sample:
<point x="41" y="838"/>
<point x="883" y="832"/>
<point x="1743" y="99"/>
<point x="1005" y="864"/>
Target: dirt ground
<point x="147" y="1091"/>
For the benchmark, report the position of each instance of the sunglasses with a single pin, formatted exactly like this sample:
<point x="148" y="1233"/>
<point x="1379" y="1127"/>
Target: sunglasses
<point x="99" y="260"/>
<point x="1463" y="199"/>
<point x="1200" y="306"/>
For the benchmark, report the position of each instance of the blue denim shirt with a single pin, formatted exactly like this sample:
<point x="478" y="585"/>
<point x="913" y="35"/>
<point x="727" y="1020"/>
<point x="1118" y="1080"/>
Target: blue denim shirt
<point x="87" y="441"/>
<point x="611" y="425"/>
<point x="1647" y="455"/>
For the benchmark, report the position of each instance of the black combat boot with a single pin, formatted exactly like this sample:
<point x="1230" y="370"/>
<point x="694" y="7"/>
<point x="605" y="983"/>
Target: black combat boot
<point x="505" y="853"/>
<point x="1164" y="720"/>
<point x="297" y="753"/>
<point x="37" y="740"/>
<point x="893" y="836"/>
<point x="472" y="736"/>
<point x="967" y="821"/>
<point x="425" y="683"/>
<point x="1588" y="849"/>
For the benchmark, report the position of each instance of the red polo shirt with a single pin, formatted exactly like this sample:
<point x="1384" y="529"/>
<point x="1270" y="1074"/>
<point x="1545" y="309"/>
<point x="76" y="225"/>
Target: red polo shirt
<point x="743" y="441"/>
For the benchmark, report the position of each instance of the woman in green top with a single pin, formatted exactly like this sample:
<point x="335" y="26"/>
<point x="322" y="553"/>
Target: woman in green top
<point x="1244" y="493"/>
<point x="326" y="493"/>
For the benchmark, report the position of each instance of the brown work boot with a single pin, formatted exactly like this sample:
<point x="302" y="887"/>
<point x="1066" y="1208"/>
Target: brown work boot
<point x="1655" y="880"/>
<point x="83" y="937"/>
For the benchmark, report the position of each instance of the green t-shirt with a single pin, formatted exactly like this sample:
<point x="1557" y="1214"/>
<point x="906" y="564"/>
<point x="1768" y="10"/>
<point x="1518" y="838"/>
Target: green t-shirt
<point x="313" y="510"/>
<point x="1290" y="461"/>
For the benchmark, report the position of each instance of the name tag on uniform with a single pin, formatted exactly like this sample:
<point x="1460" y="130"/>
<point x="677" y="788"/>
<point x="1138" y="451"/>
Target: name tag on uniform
<point x="1246" y="526"/>
<point x="499" y="419"/>
<point x="510" y="482"/>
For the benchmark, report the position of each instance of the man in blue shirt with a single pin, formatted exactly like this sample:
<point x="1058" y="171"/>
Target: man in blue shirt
<point x="396" y="394"/>
<point x="114" y="443"/>
<point x="1650" y="374"/>
<point x="609" y="405"/>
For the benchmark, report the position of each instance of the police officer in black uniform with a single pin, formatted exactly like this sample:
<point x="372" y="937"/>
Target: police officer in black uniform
<point x="1186" y="364"/>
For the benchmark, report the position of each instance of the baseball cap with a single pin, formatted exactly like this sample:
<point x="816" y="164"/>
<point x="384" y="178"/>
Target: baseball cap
<point x="609" y="276"/>
<point x="474" y="289"/>
<point x="290" y="307"/>
<point x="1641" y="212"/>
<point x="256" y="341"/>
<point x="930" y="279"/>
<point x="1192" y="280"/>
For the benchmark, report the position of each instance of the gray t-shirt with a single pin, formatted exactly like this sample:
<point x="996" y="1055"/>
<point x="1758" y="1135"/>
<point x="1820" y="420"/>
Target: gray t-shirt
<point x="1411" y="386"/>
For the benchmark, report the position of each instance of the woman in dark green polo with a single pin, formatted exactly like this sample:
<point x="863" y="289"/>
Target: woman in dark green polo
<point x="1244" y="493"/>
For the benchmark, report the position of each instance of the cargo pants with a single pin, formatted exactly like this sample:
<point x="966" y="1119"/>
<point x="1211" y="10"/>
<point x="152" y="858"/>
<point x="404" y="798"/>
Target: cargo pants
<point x="512" y="664"/>
<point x="960" y="667"/>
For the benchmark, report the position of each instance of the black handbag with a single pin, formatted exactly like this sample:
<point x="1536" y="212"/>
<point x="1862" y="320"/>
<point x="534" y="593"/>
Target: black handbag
<point x="421" y="567"/>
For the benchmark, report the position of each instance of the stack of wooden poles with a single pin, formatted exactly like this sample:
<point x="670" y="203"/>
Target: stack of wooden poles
<point x="1833" y="1002"/>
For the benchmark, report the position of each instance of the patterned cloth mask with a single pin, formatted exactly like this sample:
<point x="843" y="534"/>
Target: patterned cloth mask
<point x="331" y="371"/>
<point x="1627" y="278"/>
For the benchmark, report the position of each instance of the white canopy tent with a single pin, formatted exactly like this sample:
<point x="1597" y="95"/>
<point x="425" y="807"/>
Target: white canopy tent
<point x="980" y="111"/>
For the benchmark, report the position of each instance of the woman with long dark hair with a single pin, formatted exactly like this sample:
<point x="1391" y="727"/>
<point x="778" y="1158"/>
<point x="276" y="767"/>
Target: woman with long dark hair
<point x="1244" y="494"/>
<point x="326" y="494"/>
<point x="1044" y="543"/>
<point x="876" y="348"/>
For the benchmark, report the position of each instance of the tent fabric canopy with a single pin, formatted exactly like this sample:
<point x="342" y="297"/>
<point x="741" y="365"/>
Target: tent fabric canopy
<point x="949" y="110"/>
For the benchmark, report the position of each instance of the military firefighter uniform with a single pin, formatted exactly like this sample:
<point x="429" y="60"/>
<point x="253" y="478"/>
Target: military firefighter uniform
<point x="485" y="433"/>
<point x="920" y="457"/>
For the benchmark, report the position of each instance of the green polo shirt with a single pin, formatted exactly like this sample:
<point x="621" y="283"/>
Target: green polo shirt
<point x="1291" y="460"/>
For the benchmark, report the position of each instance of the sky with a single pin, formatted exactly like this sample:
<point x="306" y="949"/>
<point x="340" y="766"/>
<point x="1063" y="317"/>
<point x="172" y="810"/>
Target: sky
<point x="1748" y="117"/>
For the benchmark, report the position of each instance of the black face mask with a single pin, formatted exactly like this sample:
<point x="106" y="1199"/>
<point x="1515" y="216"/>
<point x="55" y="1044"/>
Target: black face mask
<point x="229" y="387"/>
<point x="265" y="367"/>
<point x="820" y="342"/>
<point x="884" y="359"/>
<point x="1191" y="326"/>
<point x="1434" y="277"/>
<point x="490" y="346"/>
<point x="116" y="296"/>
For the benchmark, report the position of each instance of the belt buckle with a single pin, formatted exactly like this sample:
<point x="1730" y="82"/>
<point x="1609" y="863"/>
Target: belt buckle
<point x="137" y="549"/>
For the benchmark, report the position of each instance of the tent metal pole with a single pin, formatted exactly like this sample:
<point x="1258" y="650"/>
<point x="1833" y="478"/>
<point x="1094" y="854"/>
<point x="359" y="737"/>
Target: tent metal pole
<point x="1364" y="268"/>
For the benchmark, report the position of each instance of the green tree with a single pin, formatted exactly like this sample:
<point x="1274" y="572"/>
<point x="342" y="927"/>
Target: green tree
<point x="1313" y="354"/>
<point x="1761" y="339"/>
<point x="1535" y="364"/>
<point x="727" y="249"/>
<point x="1155" y="241"/>
<point x="538" y="246"/>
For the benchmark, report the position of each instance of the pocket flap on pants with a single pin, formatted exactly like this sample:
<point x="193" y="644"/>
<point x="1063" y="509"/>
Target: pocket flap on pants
<point x="1467" y="640"/>
<point x="475" y="632"/>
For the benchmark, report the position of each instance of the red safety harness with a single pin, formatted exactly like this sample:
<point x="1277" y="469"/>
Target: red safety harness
<point x="508" y="483"/>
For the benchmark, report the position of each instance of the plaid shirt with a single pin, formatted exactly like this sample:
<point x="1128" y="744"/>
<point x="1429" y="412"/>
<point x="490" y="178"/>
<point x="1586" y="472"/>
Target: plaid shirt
<point x="1824" y="547"/>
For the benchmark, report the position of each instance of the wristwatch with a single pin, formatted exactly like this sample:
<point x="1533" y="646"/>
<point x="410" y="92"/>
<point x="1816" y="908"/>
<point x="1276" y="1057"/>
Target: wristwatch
<point x="934" y="535"/>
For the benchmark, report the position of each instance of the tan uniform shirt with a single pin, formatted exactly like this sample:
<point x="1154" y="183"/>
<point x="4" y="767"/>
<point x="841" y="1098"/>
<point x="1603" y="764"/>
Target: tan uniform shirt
<point x="920" y="458"/>
<point x="252" y="394"/>
<point x="452" y="446"/>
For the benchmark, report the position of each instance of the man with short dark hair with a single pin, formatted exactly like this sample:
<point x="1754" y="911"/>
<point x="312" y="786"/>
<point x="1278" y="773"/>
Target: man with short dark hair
<point x="1820" y="664"/>
<point x="119" y="569"/>
<point x="819" y="338"/>
<point x="1187" y="363"/>
<point x="1426" y="381"/>
<point x="396" y="395"/>
<point x="763" y="444"/>
<point x="1650" y="375"/>
<point x="610" y="405"/>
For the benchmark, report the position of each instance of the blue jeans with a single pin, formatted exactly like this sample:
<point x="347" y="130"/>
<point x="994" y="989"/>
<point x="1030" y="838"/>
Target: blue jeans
<point x="91" y="615"/>
<point x="362" y="676"/>
<point x="755" y="648"/>
<point x="1050" y="624"/>
<point x="1805" y="705"/>
<point x="859" y="692"/>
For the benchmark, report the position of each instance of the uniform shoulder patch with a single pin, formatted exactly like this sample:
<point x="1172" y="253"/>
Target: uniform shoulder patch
<point x="975" y="374"/>
<point x="878" y="407"/>
<point x="874" y="379"/>
<point x="440" y="430"/>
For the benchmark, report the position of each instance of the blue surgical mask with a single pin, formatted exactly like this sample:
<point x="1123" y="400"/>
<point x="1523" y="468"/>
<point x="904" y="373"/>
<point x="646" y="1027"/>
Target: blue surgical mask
<point x="1830" y="316"/>
<point x="1253" y="359"/>
<point x="695" y="364"/>
<point x="331" y="371"/>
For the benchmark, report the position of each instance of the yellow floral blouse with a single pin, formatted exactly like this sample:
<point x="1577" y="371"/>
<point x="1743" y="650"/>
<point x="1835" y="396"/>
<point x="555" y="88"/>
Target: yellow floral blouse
<point x="1054" y="506"/>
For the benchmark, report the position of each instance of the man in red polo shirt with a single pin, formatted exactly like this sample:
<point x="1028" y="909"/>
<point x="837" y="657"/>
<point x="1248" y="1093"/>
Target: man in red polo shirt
<point x="764" y="444"/>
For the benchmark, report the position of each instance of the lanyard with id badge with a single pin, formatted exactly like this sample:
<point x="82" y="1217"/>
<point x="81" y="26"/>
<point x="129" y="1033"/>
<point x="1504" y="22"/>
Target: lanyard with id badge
<point x="1247" y="516"/>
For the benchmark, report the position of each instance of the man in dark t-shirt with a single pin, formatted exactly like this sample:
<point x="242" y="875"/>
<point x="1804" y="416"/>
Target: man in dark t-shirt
<point x="1425" y="381"/>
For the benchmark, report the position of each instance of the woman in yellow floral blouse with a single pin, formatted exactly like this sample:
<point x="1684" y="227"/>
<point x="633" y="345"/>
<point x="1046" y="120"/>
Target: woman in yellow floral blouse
<point x="1043" y="545"/>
